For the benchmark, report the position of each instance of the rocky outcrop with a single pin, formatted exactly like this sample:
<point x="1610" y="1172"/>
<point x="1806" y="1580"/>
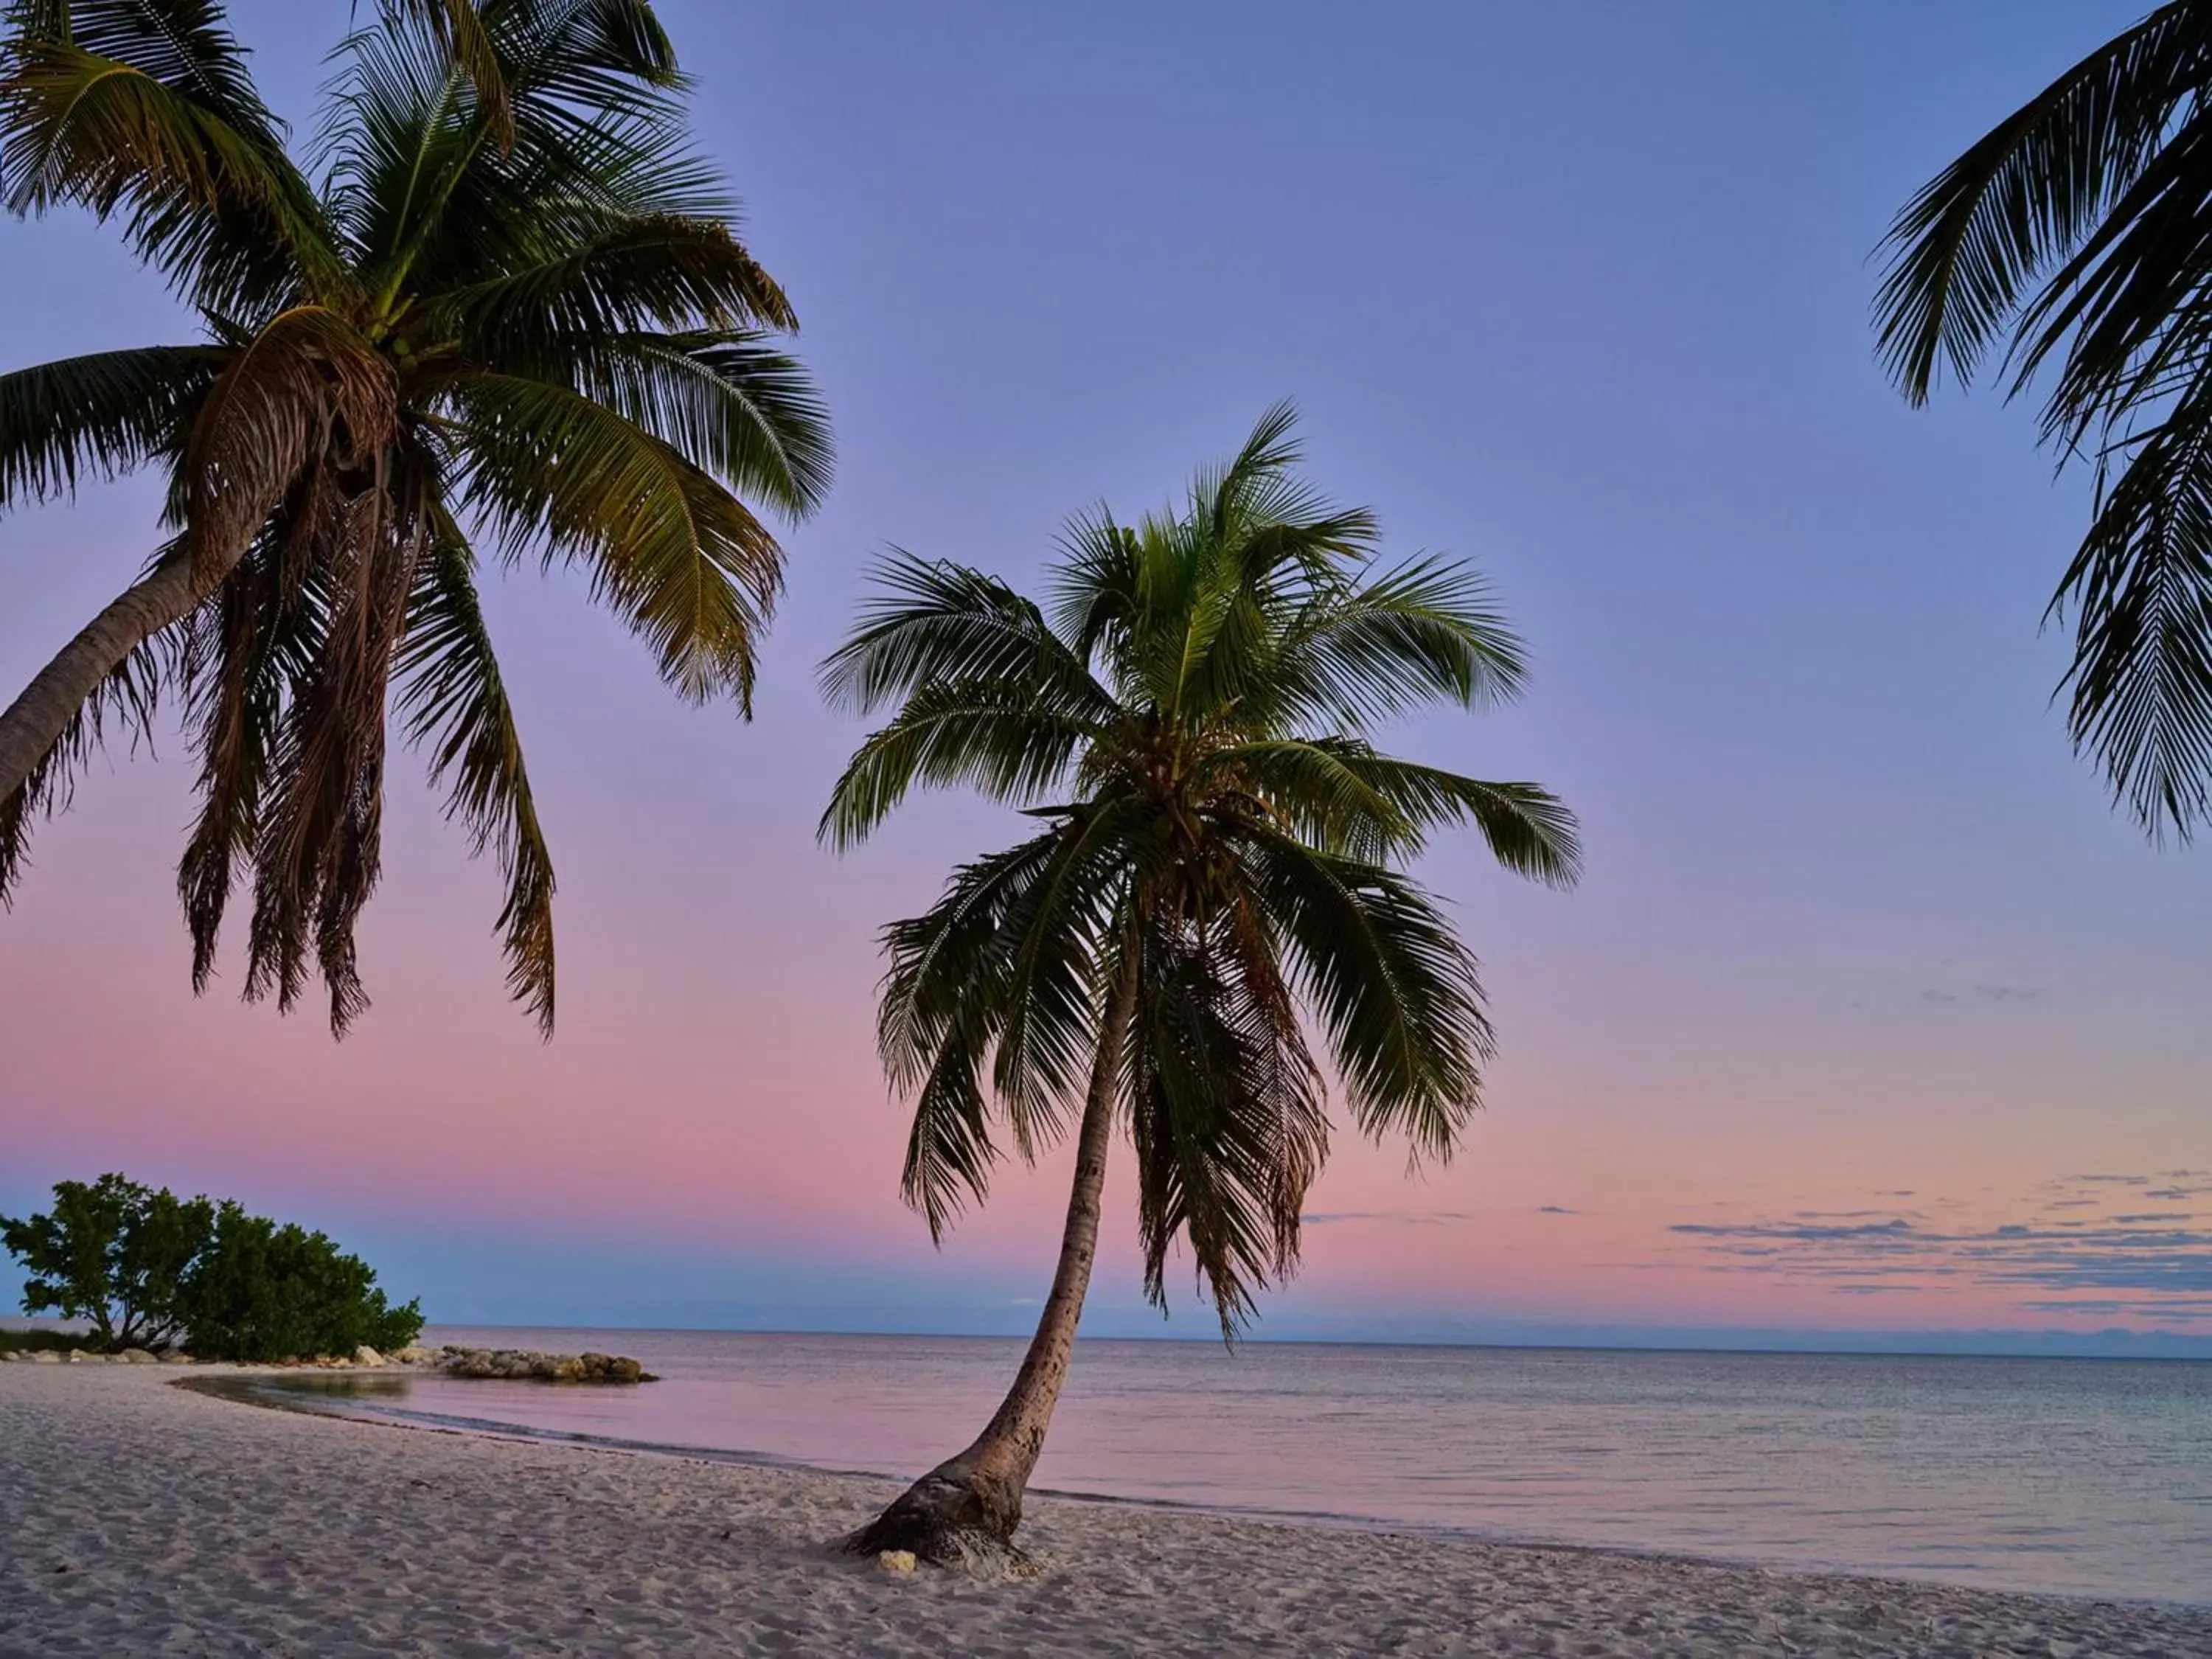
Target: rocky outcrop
<point x="528" y="1364"/>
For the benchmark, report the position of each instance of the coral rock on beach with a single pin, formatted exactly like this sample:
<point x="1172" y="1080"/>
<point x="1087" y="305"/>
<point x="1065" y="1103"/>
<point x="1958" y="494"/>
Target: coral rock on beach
<point x="520" y="1364"/>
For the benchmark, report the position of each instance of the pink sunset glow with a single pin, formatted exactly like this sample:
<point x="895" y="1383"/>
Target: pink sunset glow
<point x="1859" y="940"/>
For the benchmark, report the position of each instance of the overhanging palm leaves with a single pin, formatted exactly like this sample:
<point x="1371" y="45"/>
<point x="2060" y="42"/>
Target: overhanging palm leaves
<point x="2081" y="228"/>
<point x="1187" y="719"/>
<point x="511" y="309"/>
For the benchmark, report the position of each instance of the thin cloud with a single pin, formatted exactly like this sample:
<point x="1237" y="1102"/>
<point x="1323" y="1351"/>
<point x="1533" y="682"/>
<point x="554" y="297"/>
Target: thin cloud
<point x="2135" y="1263"/>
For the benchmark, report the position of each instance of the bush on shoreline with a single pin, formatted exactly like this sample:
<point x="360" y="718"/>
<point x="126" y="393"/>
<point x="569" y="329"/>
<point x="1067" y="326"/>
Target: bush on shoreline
<point x="147" y="1269"/>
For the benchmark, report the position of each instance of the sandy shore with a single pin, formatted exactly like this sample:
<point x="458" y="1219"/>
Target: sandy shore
<point x="140" y="1518"/>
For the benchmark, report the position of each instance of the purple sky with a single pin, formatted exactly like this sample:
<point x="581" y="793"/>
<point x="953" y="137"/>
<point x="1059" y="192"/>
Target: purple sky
<point x="1864" y="974"/>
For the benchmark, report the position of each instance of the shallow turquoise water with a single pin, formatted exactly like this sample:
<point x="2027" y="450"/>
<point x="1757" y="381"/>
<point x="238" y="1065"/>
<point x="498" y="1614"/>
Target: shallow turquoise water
<point x="2086" y="1477"/>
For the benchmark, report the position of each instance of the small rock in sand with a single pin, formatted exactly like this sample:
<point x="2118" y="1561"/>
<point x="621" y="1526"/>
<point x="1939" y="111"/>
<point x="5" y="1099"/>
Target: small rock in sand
<point x="365" y="1355"/>
<point x="896" y="1560"/>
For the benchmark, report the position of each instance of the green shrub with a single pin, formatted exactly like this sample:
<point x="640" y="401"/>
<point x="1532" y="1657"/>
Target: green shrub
<point x="111" y="1252"/>
<point x="147" y="1268"/>
<point x="261" y="1292"/>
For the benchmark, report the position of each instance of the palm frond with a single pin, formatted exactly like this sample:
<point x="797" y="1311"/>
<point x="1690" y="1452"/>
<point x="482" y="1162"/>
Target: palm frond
<point x="1965" y="251"/>
<point x="99" y="415"/>
<point x="934" y="621"/>
<point x="1227" y="1115"/>
<point x="690" y="568"/>
<point x="2141" y="589"/>
<point x="126" y="699"/>
<point x="730" y="402"/>
<point x="660" y="273"/>
<point x="454" y="702"/>
<point x="457" y="26"/>
<point x="942" y="1007"/>
<point x="1398" y="994"/>
<point x="983" y="733"/>
<point x="1425" y="630"/>
<point x="146" y="110"/>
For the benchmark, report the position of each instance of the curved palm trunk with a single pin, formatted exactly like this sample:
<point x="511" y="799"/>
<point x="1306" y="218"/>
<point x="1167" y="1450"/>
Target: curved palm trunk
<point x="35" y="721"/>
<point x="964" y="1512"/>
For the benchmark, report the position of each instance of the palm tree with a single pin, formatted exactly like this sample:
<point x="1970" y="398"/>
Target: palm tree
<point x="2081" y="226"/>
<point x="1215" y="869"/>
<point x="554" y="348"/>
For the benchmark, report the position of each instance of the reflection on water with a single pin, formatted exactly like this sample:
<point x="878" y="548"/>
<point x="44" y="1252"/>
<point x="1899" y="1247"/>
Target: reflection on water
<point x="2088" y="1477"/>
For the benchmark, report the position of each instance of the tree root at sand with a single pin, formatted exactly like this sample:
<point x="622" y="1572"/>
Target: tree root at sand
<point x="952" y="1517"/>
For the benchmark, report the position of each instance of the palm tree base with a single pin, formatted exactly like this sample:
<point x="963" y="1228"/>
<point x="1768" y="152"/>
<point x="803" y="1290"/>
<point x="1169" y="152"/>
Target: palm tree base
<point x="951" y="1518"/>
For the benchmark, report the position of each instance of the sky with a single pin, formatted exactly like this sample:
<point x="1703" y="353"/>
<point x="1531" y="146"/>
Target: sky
<point x="1871" y="1023"/>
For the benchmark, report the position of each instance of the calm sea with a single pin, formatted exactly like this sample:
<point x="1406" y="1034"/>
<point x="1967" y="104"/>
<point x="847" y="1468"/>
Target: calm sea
<point x="2088" y="1477"/>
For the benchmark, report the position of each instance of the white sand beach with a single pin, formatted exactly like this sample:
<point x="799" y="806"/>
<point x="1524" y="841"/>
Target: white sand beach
<point x="137" y="1517"/>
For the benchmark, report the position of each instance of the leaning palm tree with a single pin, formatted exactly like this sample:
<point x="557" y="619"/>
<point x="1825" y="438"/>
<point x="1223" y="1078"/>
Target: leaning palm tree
<point x="2080" y="226"/>
<point x="1215" y="867"/>
<point x="527" y="328"/>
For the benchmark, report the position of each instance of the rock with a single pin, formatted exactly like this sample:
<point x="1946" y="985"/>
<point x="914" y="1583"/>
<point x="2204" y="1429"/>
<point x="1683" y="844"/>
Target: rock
<point x="47" y="1357"/>
<point x="138" y="1357"/>
<point x="532" y="1365"/>
<point x="365" y="1355"/>
<point x="15" y="1356"/>
<point x="413" y="1354"/>
<point x="77" y="1356"/>
<point x="174" y="1357"/>
<point x="896" y="1560"/>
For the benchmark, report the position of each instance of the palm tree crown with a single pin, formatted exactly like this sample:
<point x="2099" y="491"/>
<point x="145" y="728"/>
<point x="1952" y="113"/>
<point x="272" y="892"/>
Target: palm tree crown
<point x="2082" y="225"/>
<point x="520" y="324"/>
<point x="1186" y="718"/>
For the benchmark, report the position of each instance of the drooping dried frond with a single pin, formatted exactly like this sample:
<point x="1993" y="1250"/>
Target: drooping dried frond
<point x="308" y="386"/>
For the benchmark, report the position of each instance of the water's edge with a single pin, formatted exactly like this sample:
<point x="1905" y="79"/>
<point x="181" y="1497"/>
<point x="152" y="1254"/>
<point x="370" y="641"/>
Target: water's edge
<point x="315" y="1397"/>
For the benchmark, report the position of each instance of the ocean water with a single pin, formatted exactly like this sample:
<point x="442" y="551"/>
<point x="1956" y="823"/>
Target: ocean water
<point x="2082" y="1477"/>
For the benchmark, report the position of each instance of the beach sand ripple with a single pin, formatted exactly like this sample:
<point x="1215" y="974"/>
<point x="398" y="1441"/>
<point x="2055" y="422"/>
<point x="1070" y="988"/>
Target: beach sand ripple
<point x="140" y="1518"/>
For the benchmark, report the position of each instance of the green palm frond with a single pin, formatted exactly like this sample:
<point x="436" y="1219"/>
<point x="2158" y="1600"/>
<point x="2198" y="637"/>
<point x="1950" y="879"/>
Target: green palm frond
<point x="2141" y="591"/>
<point x="730" y="402"/>
<point x="1424" y="631"/>
<point x="125" y="701"/>
<point x="993" y="738"/>
<point x="1396" y="992"/>
<point x="2081" y="226"/>
<point x="458" y="28"/>
<point x="1967" y="249"/>
<point x="690" y="568"/>
<point x="942" y="1007"/>
<point x="455" y="704"/>
<point x="660" y="273"/>
<point x="146" y="110"/>
<point x="99" y="415"/>
<point x="936" y="621"/>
